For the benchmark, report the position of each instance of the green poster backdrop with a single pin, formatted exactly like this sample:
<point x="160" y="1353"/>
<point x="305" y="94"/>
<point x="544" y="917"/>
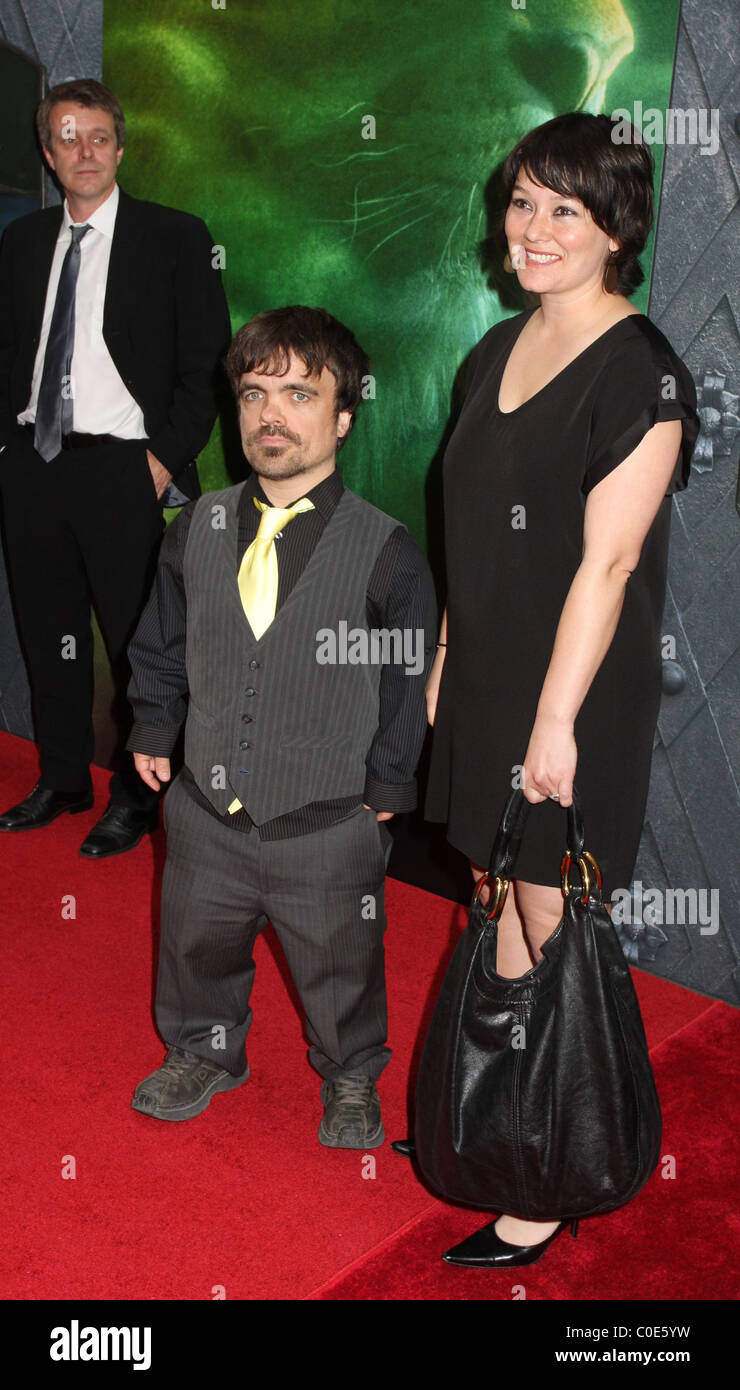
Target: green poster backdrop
<point x="340" y="154"/>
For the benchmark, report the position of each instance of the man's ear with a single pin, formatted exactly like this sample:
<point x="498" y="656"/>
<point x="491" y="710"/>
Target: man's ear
<point x="48" y="156"/>
<point x="119" y="155"/>
<point x="344" y="423"/>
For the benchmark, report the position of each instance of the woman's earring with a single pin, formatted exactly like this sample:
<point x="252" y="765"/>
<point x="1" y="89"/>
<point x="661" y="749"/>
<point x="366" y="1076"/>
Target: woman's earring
<point x="515" y="262"/>
<point x="611" y="278"/>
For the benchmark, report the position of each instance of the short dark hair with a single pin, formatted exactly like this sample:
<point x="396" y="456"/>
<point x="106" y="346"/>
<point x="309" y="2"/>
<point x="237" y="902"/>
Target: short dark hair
<point x="575" y="155"/>
<point x="84" y="91"/>
<point x="266" y="342"/>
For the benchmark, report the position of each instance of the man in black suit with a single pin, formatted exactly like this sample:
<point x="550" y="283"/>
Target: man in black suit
<point x="113" y="321"/>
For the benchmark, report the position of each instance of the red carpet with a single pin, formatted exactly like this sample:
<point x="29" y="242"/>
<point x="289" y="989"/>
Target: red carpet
<point x="244" y="1197"/>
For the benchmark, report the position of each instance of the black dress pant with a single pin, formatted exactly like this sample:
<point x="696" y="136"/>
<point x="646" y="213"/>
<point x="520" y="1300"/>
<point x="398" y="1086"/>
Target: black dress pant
<point x="84" y="528"/>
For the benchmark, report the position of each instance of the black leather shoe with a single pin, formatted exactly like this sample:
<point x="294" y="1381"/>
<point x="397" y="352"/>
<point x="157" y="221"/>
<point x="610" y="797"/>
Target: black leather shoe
<point x="407" y="1147"/>
<point x="42" y="806"/>
<point x="486" y="1250"/>
<point x="351" y="1118"/>
<point x="119" y="828"/>
<point x="183" y="1086"/>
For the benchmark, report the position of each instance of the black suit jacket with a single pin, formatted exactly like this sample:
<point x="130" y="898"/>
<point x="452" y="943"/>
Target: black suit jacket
<point x="165" y="323"/>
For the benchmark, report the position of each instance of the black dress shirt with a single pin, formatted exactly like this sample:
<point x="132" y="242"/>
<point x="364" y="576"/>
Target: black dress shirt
<point x="400" y="594"/>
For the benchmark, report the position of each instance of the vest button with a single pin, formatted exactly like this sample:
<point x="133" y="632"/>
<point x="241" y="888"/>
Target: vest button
<point x="254" y="666"/>
<point x="250" y="690"/>
<point x="245" y="745"/>
<point x="246" y="719"/>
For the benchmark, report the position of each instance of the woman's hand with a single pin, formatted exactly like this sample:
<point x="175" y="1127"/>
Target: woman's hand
<point x="432" y="685"/>
<point x="550" y="761"/>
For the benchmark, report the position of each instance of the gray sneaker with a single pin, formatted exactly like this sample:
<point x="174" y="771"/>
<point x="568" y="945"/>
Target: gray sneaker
<point x="183" y="1086"/>
<point x="352" y="1114"/>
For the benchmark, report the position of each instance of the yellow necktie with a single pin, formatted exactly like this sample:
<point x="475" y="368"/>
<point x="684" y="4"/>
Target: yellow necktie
<point x="258" y="571"/>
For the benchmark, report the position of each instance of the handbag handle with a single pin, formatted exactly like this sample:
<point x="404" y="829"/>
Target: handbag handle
<point x="506" y="847"/>
<point x="511" y="828"/>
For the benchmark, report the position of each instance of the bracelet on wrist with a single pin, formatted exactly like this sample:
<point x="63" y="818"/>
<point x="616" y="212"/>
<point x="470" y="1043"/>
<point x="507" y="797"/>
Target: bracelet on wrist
<point x="441" y="644"/>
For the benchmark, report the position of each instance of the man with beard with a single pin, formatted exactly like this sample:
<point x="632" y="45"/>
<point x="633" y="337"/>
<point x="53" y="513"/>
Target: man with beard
<point x="292" y="762"/>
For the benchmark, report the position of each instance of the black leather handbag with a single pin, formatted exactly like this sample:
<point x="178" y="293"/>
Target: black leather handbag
<point x="535" y="1096"/>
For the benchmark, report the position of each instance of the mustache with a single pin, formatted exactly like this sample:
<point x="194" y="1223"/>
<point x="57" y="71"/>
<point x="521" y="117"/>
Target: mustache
<point x="257" y="435"/>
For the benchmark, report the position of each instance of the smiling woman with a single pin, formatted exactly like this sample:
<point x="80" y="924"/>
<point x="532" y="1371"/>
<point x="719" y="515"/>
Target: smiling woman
<point x="578" y="423"/>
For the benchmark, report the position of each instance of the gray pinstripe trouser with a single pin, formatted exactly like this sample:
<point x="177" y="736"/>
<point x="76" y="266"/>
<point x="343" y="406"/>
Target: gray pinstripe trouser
<point x="222" y="886"/>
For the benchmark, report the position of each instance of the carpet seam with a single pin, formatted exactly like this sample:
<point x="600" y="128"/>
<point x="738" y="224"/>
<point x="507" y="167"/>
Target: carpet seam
<point x="371" y="1251"/>
<point x="716" y="1003"/>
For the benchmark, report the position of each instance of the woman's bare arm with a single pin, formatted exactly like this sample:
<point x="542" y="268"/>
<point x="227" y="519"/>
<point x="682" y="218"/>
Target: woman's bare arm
<point x="619" y="513"/>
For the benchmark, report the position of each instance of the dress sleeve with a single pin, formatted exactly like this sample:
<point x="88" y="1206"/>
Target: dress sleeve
<point x="640" y="384"/>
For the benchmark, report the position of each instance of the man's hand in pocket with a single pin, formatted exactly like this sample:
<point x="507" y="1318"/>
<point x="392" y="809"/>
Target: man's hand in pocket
<point x="160" y="476"/>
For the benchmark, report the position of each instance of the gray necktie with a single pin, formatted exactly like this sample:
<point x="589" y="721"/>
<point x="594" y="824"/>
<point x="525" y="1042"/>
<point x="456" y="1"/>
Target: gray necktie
<point x="54" y="411"/>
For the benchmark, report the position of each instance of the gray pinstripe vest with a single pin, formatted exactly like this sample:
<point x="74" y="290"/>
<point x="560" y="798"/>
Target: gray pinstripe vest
<point x="266" y="721"/>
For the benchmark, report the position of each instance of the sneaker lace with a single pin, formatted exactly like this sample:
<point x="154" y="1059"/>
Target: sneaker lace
<point x="177" y="1061"/>
<point x="352" y="1090"/>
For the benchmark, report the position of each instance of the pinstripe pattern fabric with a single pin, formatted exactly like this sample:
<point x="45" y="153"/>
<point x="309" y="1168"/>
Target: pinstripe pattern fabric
<point x="400" y="596"/>
<point x="285" y="729"/>
<point x="220" y="890"/>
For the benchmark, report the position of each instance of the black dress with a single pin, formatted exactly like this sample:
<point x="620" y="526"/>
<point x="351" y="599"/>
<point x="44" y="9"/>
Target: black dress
<point x="508" y="573"/>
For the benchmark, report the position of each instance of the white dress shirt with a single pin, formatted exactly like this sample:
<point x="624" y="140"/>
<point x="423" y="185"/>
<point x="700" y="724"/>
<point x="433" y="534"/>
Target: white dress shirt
<point x="102" y="404"/>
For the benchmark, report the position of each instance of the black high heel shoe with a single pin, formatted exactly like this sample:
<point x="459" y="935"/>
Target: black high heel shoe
<point x="486" y="1250"/>
<point x="407" y="1147"/>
